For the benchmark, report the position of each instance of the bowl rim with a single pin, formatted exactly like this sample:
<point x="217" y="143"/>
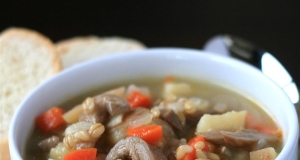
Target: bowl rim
<point x="12" y="144"/>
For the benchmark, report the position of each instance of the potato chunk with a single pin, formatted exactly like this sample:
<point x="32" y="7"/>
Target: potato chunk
<point x="229" y="121"/>
<point x="177" y="89"/>
<point x="263" y="154"/>
<point x="119" y="92"/>
<point x="72" y="115"/>
<point x="59" y="152"/>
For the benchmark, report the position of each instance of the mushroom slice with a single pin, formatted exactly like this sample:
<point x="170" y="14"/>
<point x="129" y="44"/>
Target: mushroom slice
<point x="214" y="137"/>
<point x="171" y="117"/>
<point x="114" y="104"/>
<point x="48" y="143"/>
<point x="135" y="148"/>
<point x="249" y="139"/>
<point x="246" y="139"/>
<point x="95" y="109"/>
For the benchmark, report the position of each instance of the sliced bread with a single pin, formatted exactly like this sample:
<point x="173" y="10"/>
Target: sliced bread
<point x="79" y="49"/>
<point x="27" y="58"/>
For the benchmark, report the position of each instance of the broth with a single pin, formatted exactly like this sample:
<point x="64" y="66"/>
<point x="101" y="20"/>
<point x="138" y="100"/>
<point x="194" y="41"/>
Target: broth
<point x="215" y="100"/>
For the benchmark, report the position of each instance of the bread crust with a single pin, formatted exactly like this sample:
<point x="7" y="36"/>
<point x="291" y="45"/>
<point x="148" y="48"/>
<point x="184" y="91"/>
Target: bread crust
<point x="82" y="48"/>
<point x="63" y="46"/>
<point x="28" y="33"/>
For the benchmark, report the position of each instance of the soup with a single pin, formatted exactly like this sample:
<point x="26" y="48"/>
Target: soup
<point x="172" y="118"/>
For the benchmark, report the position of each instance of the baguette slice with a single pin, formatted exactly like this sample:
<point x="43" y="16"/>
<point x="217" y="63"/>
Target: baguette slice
<point x="26" y="59"/>
<point x="79" y="49"/>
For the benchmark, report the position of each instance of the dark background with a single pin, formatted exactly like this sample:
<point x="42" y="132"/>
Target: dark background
<point x="273" y="25"/>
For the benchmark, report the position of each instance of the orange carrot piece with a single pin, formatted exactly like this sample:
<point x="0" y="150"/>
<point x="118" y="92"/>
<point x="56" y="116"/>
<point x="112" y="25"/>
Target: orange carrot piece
<point x="51" y="119"/>
<point x="260" y="127"/>
<point x="196" y="139"/>
<point x="191" y="143"/>
<point x="137" y="99"/>
<point x="83" y="154"/>
<point x="149" y="133"/>
<point x="168" y="79"/>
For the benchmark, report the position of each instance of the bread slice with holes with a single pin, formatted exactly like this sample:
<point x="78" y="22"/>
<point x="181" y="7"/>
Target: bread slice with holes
<point x="80" y="49"/>
<point x="27" y="58"/>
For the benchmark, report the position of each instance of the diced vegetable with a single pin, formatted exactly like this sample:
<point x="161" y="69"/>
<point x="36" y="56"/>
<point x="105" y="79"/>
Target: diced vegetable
<point x="260" y="127"/>
<point x="142" y="89"/>
<point x="168" y="79"/>
<point x="59" y="152"/>
<point x="139" y="117"/>
<point x="83" y="154"/>
<point x="72" y="116"/>
<point x="120" y="92"/>
<point x="196" y="139"/>
<point x="149" y="133"/>
<point x="114" y="120"/>
<point x="191" y="143"/>
<point x="195" y="104"/>
<point x="51" y="119"/>
<point x="49" y="143"/>
<point x="229" y="121"/>
<point x="137" y="99"/>
<point x="182" y="151"/>
<point x="177" y="89"/>
<point x="78" y="126"/>
<point x="190" y="156"/>
<point x="263" y="154"/>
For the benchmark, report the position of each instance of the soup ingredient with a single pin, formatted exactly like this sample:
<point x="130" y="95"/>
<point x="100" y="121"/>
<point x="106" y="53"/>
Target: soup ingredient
<point x="229" y="121"/>
<point x="182" y="151"/>
<point x="263" y="154"/>
<point x="119" y="92"/>
<point x="134" y="118"/>
<point x="171" y="117"/>
<point x="197" y="142"/>
<point x="249" y="139"/>
<point x="113" y="104"/>
<point x="243" y="138"/>
<point x="92" y="112"/>
<point x="59" y="151"/>
<point x="49" y="143"/>
<point x="169" y="142"/>
<point x="82" y="135"/>
<point x="72" y="115"/>
<point x="197" y="139"/>
<point x="259" y="126"/>
<point x="95" y="109"/>
<point x="168" y="79"/>
<point x="51" y="119"/>
<point x="194" y="105"/>
<point x="135" y="148"/>
<point x="82" y="154"/>
<point x="177" y="89"/>
<point x="114" y="120"/>
<point x="149" y="133"/>
<point x="138" y="99"/>
<point x="214" y="137"/>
